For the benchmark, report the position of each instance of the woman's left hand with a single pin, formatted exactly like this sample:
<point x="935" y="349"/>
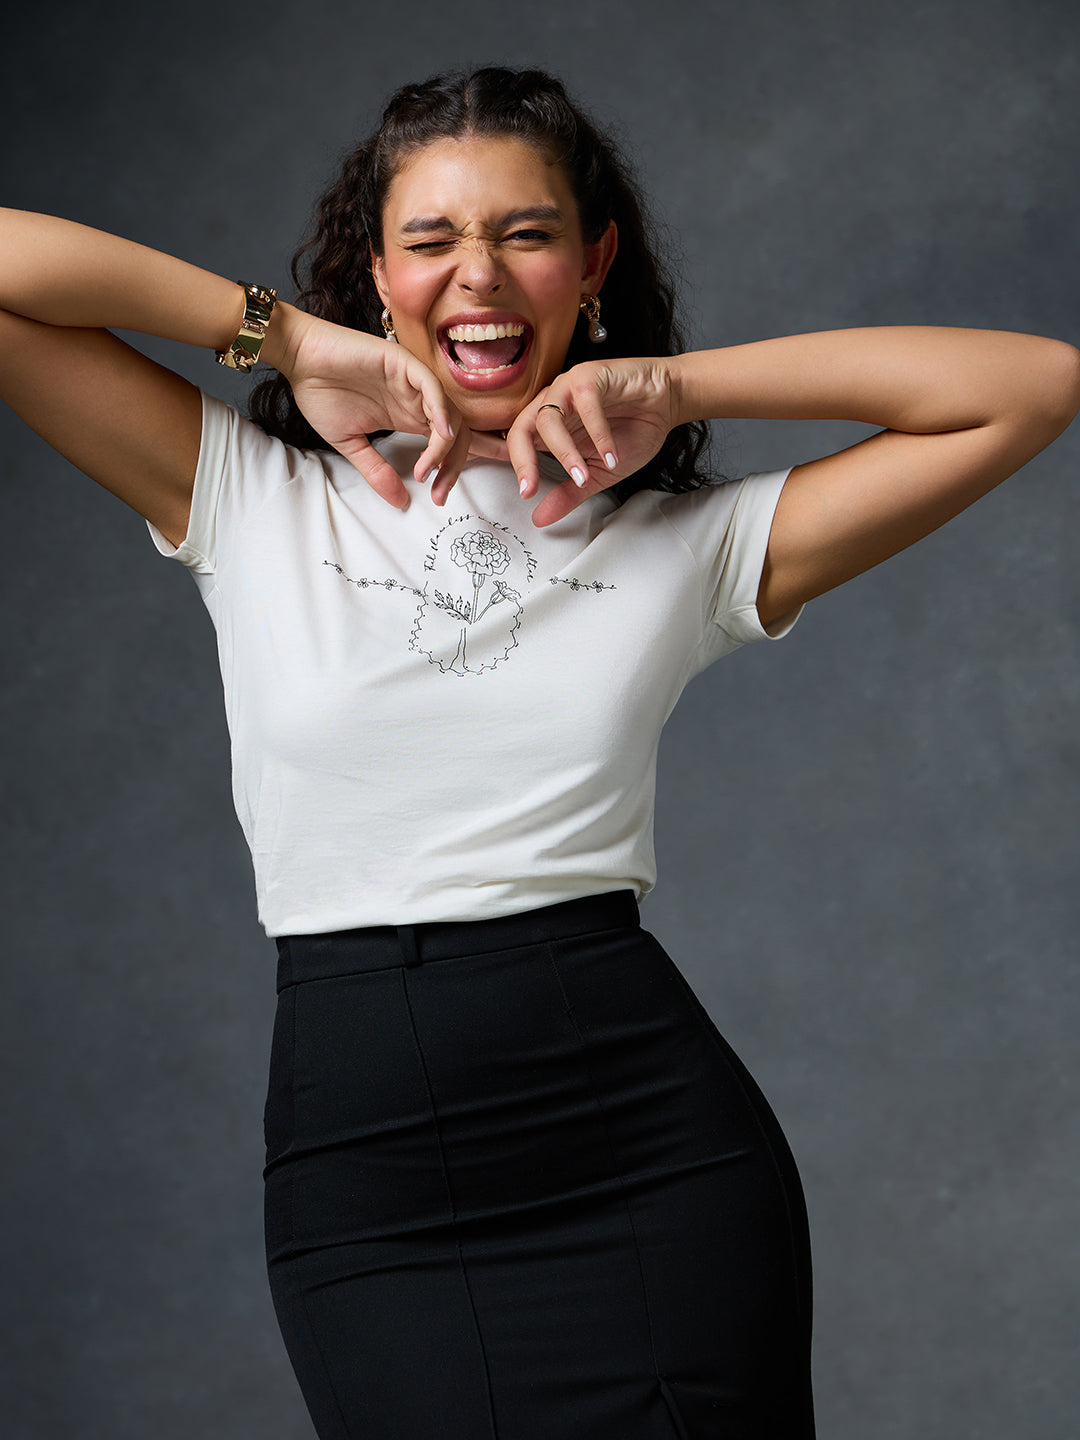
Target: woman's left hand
<point x="616" y="414"/>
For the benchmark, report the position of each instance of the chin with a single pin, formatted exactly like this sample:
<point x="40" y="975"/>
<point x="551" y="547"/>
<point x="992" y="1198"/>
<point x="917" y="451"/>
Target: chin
<point x="497" y="413"/>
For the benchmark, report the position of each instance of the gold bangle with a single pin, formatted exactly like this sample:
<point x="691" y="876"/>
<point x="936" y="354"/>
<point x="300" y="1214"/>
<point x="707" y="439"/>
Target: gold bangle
<point x="259" y="302"/>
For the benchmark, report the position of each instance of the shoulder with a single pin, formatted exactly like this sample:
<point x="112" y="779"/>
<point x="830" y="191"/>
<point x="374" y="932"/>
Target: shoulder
<point x="244" y="441"/>
<point x="240" y="469"/>
<point x="722" y="507"/>
<point x="692" y="514"/>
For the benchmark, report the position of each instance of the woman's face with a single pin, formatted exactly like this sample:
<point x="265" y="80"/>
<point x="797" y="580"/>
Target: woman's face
<point x="484" y="232"/>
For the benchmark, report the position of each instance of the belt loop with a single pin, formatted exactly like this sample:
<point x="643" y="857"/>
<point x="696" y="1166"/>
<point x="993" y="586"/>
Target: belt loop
<point x="410" y="952"/>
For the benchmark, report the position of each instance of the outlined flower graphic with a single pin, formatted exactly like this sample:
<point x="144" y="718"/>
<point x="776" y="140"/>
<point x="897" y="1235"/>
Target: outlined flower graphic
<point x="444" y="619"/>
<point x="484" y="557"/>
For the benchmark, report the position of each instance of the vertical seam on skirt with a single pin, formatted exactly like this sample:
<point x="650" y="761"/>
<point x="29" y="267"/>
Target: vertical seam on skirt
<point x="673" y="1410"/>
<point x="805" y="1295"/>
<point x="804" y="1290"/>
<point x="615" y="1165"/>
<point x="301" y="1290"/>
<point x="346" y="1428"/>
<point x="292" y="1116"/>
<point x="450" y="1197"/>
<point x="806" y="1300"/>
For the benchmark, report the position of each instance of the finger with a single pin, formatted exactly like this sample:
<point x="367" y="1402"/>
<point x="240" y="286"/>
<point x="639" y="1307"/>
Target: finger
<point x="521" y="445"/>
<point x="440" y="414"/>
<point x="560" y="501"/>
<point x="594" y="418"/>
<point x="554" y="430"/>
<point x="440" y="444"/>
<point x="379" y="473"/>
<point x="432" y="458"/>
<point x="451" y="467"/>
<point x="485" y="445"/>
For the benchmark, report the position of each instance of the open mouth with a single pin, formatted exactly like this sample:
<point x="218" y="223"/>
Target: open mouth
<point x="486" y="356"/>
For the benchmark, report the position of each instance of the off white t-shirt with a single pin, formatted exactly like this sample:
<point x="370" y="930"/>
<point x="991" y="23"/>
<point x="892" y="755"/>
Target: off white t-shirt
<point x="450" y="713"/>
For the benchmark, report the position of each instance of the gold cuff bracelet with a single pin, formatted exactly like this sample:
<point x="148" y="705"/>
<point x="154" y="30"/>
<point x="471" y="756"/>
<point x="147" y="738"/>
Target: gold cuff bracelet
<point x="259" y="302"/>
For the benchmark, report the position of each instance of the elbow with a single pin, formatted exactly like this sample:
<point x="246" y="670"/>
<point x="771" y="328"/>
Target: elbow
<point x="1057" y="400"/>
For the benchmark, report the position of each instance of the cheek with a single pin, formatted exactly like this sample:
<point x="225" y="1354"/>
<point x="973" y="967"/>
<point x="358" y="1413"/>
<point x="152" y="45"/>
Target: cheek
<point x="411" y="292"/>
<point x="555" y="293"/>
<point x="557" y="287"/>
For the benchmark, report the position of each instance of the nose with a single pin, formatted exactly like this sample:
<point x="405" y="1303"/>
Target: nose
<point x="480" y="272"/>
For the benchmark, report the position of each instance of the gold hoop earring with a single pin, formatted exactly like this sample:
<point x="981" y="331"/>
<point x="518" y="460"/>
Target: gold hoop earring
<point x="590" y="307"/>
<point x="388" y="325"/>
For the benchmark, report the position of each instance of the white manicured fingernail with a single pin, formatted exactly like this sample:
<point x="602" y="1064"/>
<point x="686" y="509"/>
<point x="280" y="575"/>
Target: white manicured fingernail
<point x="610" y="461"/>
<point x="430" y="475"/>
<point x="578" y="476"/>
<point x="523" y="486"/>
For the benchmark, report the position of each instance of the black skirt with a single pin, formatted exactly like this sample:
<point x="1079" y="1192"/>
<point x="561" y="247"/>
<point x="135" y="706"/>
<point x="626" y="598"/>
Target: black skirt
<point x="518" y="1187"/>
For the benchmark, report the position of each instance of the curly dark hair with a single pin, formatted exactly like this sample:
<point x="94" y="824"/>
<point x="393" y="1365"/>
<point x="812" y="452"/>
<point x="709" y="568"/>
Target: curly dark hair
<point x="332" y="274"/>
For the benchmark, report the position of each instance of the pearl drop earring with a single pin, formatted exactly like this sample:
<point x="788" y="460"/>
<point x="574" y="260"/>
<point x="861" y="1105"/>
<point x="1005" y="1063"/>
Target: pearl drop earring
<point x="590" y="306"/>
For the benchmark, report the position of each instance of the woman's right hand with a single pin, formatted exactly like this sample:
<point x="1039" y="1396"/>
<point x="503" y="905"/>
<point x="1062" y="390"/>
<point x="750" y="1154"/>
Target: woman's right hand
<point x="133" y="425"/>
<point x="348" y="383"/>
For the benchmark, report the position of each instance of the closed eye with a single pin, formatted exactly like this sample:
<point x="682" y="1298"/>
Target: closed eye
<point x="531" y="236"/>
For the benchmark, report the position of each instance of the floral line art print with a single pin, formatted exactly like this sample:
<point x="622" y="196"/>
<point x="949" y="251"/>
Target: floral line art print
<point x="579" y="584"/>
<point x="365" y="584"/>
<point x="484" y="557"/>
<point x="471" y="604"/>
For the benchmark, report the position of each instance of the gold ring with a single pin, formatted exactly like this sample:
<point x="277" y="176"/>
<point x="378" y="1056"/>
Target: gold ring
<point x="549" y="406"/>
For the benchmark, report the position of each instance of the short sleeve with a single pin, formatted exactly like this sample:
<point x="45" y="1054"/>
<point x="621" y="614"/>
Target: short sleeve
<point x="727" y="527"/>
<point x="239" y="467"/>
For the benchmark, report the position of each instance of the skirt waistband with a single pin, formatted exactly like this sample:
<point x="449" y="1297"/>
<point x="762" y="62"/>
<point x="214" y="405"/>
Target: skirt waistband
<point x="375" y="947"/>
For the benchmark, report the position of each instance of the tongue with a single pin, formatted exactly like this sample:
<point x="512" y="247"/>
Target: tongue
<point x="486" y="354"/>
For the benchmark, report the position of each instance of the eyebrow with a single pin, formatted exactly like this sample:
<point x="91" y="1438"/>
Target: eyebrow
<point x="425" y="223"/>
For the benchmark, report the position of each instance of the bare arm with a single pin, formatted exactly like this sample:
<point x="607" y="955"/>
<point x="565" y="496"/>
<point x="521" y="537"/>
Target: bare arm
<point x="130" y="424"/>
<point x="962" y="410"/>
<point x="135" y="426"/>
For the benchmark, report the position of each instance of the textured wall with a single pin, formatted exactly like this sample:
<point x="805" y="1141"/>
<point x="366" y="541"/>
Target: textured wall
<point x="866" y="833"/>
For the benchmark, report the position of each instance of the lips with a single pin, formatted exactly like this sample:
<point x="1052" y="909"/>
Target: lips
<point x="485" y="354"/>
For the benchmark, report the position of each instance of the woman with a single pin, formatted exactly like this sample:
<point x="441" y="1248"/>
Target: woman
<point x="517" y="1184"/>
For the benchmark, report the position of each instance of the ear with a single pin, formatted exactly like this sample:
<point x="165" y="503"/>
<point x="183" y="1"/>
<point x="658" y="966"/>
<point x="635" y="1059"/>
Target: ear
<point x="598" y="258"/>
<point x="378" y="273"/>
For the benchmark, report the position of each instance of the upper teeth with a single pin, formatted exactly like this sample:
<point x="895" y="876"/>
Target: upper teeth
<point x="484" y="332"/>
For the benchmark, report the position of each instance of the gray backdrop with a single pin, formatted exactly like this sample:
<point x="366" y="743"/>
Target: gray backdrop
<point x="866" y="833"/>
